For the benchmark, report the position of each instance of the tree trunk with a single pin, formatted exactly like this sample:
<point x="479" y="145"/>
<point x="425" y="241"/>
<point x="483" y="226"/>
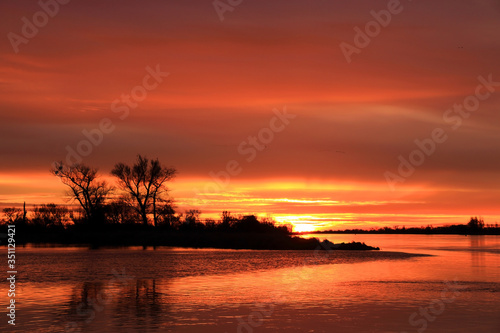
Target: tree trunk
<point x="144" y="216"/>
<point x="24" y="212"/>
<point x="155" y="219"/>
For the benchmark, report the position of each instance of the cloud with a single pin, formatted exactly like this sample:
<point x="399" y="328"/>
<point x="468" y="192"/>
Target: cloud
<point x="227" y="77"/>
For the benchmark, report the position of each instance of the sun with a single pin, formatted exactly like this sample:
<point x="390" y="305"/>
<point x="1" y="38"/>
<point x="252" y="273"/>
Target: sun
<point x="303" y="227"/>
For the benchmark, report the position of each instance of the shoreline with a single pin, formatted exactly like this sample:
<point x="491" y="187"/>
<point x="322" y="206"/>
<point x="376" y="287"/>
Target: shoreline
<point x="367" y="232"/>
<point x="216" y="240"/>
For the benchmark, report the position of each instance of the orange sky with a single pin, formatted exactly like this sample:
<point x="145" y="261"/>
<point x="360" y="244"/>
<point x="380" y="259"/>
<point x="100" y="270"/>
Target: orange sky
<point x="325" y="168"/>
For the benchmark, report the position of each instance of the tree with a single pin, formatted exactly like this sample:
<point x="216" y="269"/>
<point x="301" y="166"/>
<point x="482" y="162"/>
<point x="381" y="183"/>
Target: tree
<point x="191" y="221"/>
<point x="192" y="216"/>
<point x="121" y="212"/>
<point x="144" y="183"/>
<point x="85" y="188"/>
<point x="476" y="224"/>
<point x="13" y="215"/>
<point x="227" y="220"/>
<point x="50" y="215"/>
<point x="165" y="215"/>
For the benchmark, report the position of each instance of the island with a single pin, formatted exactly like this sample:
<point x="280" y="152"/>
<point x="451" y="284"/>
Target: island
<point x="230" y="232"/>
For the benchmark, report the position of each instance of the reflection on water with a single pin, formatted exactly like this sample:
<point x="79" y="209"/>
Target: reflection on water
<point x="179" y="290"/>
<point x="477" y="244"/>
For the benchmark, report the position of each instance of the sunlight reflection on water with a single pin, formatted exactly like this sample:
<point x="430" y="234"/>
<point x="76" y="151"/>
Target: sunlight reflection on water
<point x="179" y="290"/>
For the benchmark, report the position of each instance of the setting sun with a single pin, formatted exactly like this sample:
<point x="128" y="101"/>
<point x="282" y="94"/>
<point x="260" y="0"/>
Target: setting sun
<point x="297" y="227"/>
<point x="176" y="166"/>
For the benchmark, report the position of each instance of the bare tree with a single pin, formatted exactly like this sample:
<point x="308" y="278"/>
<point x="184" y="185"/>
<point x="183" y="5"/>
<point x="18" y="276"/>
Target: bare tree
<point x="475" y="223"/>
<point x="12" y="215"/>
<point x="165" y="215"/>
<point x="192" y="216"/>
<point x="50" y="215"/>
<point x="120" y="211"/>
<point x="85" y="188"/>
<point x="144" y="183"/>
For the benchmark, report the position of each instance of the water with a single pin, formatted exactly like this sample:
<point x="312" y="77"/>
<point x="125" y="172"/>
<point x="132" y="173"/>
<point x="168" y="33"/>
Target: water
<point x="453" y="287"/>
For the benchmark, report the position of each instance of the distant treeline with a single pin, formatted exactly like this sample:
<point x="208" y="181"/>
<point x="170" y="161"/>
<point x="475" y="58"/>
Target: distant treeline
<point x="52" y="224"/>
<point x="120" y="226"/>
<point x="138" y="196"/>
<point x="137" y="210"/>
<point x="476" y="226"/>
<point x="120" y="216"/>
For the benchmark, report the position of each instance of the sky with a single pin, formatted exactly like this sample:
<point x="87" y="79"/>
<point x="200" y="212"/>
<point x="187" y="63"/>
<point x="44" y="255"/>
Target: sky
<point x="308" y="111"/>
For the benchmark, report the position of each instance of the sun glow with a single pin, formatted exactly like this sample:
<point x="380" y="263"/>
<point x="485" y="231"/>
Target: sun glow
<point x="302" y="227"/>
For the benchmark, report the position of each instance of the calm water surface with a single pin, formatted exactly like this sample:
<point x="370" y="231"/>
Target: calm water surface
<point x="418" y="283"/>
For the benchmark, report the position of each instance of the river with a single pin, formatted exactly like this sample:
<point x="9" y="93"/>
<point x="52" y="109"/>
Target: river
<point x="416" y="283"/>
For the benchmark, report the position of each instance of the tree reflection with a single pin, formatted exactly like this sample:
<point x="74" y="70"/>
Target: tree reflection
<point x="141" y="303"/>
<point x="477" y="244"/>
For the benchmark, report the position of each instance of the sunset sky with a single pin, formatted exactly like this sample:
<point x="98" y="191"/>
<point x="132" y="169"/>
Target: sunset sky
<point x="324" y="166"/>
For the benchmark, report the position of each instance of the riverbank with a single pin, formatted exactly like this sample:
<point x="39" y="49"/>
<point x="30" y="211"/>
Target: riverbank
<point x="220" y="240"/>
<point x="211" y="291"/>
<point x="474" y="227"/>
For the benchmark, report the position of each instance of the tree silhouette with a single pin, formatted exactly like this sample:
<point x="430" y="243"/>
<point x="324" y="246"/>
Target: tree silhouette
<point x="165" y="215"/>
<point x="50" y="215"/>
<point x="85" y="188"/>
<point x="144" y="184"/>
<point x="227" y="220"/>
<point x="476" y="224"/>
<point x="120" y="211"/>
<point x="12" y="214"/>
